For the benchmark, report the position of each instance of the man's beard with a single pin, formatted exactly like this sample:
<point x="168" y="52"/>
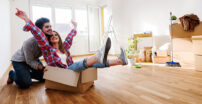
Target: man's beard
<point x="48" y="36"/>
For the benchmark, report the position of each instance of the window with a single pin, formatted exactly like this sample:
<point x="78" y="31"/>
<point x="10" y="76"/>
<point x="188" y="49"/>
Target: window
<point x="44" y="12"/>
<point x="94" y="28"/>
<point x="88" y="28"/>
<point x="81" y="19"/>
<point x="63" y="20"/>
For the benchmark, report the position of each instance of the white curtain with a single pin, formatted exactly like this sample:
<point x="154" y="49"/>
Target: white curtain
<point x="94" y="28"/>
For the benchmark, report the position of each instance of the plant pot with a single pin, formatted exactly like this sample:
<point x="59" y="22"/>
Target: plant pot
<point x="131" y="62"/>
<point x="174" y="22"/>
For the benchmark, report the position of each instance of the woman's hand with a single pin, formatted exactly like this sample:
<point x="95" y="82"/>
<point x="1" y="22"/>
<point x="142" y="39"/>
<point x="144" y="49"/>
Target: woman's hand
<point x="75" y="24"/>
<point x="22" y="15"/>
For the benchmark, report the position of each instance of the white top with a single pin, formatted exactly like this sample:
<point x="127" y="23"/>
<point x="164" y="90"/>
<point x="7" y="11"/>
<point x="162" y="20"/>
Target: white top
<point x="63" y="57"/>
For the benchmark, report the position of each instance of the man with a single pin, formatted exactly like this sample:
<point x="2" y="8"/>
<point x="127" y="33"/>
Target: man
<point x="25" y="61"/>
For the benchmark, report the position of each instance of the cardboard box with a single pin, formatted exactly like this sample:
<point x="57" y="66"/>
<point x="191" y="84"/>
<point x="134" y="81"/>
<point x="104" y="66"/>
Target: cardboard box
<point x="184" y="58"/>
<point x="162" y="53"/>
<point x="198" y="62"/>
<point x="183" y="51"/>
<point x="197" y="44"/>
<point x="148" y="54"/>
<point x="161" y="59"/>
<point x="178" y="31"/>
<point x="182" y="45"/>
<point x="68" y="80"/>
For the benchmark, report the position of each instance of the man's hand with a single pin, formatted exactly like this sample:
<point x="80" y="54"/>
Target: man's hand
<point x="75" y="24"/>
<point x="22" y="15"/>
<point x="40" y="67"/>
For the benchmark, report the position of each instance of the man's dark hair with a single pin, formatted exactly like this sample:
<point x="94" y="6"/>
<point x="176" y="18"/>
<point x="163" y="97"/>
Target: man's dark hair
<point x="41" y="21"/>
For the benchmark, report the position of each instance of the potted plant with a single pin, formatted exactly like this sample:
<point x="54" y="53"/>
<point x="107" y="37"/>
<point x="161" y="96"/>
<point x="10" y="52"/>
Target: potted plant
<point x="131" y="52"/>
<point x="173" y="19"/>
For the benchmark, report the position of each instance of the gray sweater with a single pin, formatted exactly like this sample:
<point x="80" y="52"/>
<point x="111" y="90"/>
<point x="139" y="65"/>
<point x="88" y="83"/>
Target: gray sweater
<point x="29" y="53"/>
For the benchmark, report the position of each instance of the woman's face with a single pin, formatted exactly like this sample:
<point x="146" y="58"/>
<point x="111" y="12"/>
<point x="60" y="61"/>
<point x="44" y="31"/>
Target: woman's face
<point x="54" y="38"/>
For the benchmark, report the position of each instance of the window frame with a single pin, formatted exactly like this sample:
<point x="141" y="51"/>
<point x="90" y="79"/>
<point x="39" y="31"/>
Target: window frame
<point x="53" y="6"/>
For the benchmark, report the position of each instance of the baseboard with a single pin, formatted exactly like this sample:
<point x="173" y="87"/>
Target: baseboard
<point x="92" y="54"/>
<point x="73" y="56"/>
<point x="113" y="54"/>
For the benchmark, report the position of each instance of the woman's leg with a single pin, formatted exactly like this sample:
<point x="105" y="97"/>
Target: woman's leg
<point x="115" y="62"/>
<point x="91" y="60"/>
<point x="121" y="60"/>
<point x="109" y="63"/>
<point x="100" y="57"/>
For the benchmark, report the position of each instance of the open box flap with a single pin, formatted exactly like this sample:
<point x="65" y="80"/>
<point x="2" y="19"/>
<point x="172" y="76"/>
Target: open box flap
<point x="61" y="75"/>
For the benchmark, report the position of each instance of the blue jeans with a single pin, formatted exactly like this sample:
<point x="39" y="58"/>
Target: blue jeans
<point x="23" y="74"/>
<point x="81" y="65"/>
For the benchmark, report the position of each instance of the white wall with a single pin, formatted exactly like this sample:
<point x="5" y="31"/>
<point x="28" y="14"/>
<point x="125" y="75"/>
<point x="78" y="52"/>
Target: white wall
<point x="18" y="36"/>
<point x="129" y="17"/>
<point x="112" y="8"/>
<point x="137" y="16"/>
<point x="5" y="36"/>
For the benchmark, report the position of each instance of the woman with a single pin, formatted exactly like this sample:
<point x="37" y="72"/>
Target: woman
<point x="53" y="50"/>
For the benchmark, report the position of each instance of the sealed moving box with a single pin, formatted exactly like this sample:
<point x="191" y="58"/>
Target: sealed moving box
<point x="183" y="48"/>
<point x="197" y="44"/>
<point x="68" y="80"/>
<point x="183" y="51"/>
<point x="161" y="59"/>
<point x="198" y="62"/>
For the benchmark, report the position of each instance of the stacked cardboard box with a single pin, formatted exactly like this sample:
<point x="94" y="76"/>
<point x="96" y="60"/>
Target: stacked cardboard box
<point x="183" y="51"/>
<point x="183" y="48"/>
<point x="197" y="47"/>
<point x="161" y="59"/>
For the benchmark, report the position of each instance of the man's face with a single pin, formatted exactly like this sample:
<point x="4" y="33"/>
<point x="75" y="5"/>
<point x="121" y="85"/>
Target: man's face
<point x="47" y="28"/>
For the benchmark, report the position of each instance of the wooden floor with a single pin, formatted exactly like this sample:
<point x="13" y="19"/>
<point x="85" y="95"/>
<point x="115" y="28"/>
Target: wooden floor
<point x="151" y="84"/>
